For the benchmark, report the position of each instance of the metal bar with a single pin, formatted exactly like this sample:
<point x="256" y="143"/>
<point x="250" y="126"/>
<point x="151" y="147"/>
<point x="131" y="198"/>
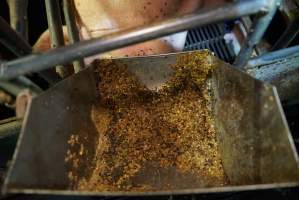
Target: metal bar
<point x="56" y="32"/>
<point x="280" y="68"/>
<point x="272" y="57"/>
<point x="288" y="36"/>
<point x="192" y="37"/>
<point x="18" y="16"/>
<point x="203" y="35"/>
<point x="13" y="41"/>
<point x="10" y="88"/>
<point x="28" y="84"/>
<point x="10" y="127"/>
<point x="256" y="33"/>
<point x="73" y="33"/>
<point x="62" y="55"/>
<point x="54" y="23"/>
<point x="15" y="86"/>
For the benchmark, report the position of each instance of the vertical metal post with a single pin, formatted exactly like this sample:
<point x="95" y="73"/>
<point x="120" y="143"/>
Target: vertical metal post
<point x="20" y="47"/>
<point x="256" y="33"/>
<point x="56" y="32"/>
<point x="73" y="33"/>
<point x="13" y="41"/>
<point x="18" y="16"/>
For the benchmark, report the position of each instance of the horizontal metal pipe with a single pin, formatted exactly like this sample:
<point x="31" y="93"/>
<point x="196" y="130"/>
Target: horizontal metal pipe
<point x="272" y="57"/>
<point x="83" y="49"/>
<point x="13" y="41"/>
<point x="10" y="87"/>
<point x="10" y="127"/>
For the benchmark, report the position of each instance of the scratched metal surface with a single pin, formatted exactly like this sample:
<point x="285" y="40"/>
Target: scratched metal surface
<point x="257" y="148"/>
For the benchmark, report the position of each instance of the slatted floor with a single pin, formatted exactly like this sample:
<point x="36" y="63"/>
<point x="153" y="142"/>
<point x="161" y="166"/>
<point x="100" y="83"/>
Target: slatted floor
<point x="210" y="37"/>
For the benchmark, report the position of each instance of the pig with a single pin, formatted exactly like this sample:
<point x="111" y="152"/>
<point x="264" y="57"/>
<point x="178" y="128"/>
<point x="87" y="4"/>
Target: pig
<point x="96" y="18"/>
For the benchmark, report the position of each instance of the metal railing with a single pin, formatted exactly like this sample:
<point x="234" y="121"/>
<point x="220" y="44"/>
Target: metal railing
<point x="262" y="9"/>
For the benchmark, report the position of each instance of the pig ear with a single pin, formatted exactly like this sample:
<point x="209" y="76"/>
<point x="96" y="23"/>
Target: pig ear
<point x="189" y="6"/>
<point x="44" y="41"/>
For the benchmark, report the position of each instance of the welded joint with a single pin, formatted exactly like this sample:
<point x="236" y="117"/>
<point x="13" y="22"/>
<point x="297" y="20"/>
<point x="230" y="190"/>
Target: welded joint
<point x="267" y="7"/>
<point x="256" y="32"/>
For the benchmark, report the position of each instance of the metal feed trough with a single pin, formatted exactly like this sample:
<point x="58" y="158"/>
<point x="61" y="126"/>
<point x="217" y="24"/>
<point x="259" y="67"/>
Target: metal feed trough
<point x="256" y="146"/>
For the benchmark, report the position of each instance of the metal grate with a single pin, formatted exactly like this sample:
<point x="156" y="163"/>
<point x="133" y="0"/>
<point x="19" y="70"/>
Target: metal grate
<point x="210" y="37"/>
